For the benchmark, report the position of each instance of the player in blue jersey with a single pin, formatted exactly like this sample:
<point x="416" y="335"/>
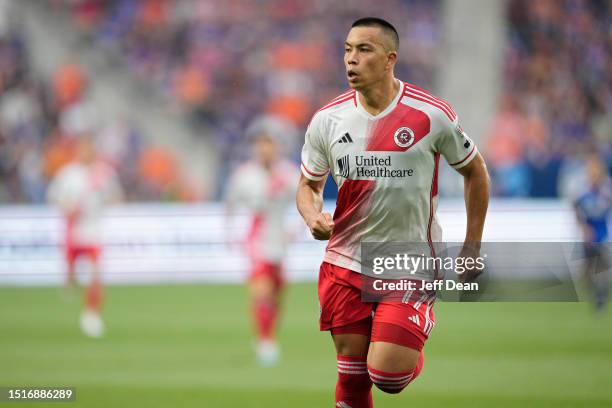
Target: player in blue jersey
<point x="593" y="208"/>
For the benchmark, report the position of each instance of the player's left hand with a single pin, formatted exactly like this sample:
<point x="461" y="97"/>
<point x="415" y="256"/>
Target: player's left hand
<point x="469" y="274"/>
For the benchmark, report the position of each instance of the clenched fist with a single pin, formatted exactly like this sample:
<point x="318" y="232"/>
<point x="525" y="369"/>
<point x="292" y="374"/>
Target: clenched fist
<point x="321" y="226"/>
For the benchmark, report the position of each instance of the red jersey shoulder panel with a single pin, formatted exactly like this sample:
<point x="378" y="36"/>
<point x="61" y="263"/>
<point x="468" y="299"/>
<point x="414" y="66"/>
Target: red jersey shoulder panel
<point x="422" y="95"/>
<point x="343" y="98"/>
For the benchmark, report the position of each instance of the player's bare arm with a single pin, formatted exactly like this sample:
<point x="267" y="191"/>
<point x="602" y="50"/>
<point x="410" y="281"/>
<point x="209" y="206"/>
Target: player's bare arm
<point x="476" y="193"/>
<point x="309" y="201"/>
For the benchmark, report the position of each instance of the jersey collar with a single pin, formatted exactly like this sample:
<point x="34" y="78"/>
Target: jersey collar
<point x="387" y="110"/>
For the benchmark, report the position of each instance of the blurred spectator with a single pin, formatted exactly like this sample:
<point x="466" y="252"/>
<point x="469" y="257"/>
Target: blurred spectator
<point x="505" y="150"/>
<point x="69" y="83"/>
<point x="158" y="170"/>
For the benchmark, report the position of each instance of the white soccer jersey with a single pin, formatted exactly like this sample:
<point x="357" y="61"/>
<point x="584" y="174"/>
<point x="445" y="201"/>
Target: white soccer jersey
<point x="267" y="194"/>
<point x="82" y="192"/>
<point x="385" y="166"/>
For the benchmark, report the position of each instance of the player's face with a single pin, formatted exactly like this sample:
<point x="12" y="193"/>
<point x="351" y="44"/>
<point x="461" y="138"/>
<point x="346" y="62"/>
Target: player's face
<point x="86" y="151"/>
<point x="366" y="59"/>
<point x="265" y="149"/>
<point x="595" y="170"/>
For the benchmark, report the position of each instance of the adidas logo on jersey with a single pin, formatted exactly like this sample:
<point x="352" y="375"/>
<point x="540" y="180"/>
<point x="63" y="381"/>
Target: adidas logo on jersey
<point x="342" y="404"/>
<point x="415" y="319"/>
<point x="346" y="138"/>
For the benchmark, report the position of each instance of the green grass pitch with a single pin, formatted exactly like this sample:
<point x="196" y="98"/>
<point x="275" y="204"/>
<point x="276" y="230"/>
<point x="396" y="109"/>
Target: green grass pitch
<point x="191" y="346"/>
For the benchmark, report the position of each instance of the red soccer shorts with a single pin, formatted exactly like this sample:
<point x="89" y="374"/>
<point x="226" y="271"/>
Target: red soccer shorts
<point x="75" y="251"/>
<point x="272" y="271"/>
<point x="342" y="311"/>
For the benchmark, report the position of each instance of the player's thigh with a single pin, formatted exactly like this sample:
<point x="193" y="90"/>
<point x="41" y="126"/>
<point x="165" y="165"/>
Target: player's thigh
<point x="351" y="344"/>
<point x="262" y="287"/>
<point x="341" y="307"/>
<point x="71" y="254"/>
<point x="265" y="280"/>
<point x="399" y="332"/>
<point x="392" y="358"/>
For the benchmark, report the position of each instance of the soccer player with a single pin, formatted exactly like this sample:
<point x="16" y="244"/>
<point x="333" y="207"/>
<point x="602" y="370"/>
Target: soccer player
<point x="265" y="185"/>
<point x="382" y="141"/>
<point x="81" y="190"/>
<point x="592" y="211"/>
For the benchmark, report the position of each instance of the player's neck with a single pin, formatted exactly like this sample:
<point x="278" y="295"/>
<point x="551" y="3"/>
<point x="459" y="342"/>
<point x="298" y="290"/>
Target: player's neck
<point x="378" y="97"/>
<point x="267" y="165"/>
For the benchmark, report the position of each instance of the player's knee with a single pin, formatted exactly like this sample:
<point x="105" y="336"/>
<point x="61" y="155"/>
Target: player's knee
<point x="391" y="383"/>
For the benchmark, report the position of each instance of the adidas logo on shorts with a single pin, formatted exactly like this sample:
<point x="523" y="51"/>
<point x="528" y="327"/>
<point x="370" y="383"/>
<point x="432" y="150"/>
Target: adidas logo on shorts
<point x="415" y="319"/>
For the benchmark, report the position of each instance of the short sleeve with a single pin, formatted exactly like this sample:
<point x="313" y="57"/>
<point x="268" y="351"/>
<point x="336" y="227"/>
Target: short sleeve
<point x="315" y="165"/>
<point x="455" y="145"/>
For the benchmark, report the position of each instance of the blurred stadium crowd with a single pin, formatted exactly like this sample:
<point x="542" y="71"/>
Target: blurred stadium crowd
<point x="41" y="119"/>
<point x="556" y="102"/>
<point x="228" y="62"/>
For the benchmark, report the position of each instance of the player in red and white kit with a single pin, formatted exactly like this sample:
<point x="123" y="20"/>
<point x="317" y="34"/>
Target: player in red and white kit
<point x="81" y="190"/>
<point x="382" y="142"/>
<point x="266" y="186"/>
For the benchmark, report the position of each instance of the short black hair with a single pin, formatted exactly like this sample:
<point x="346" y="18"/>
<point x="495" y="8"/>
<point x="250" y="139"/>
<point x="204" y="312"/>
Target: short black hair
<point x="384" y="25"/>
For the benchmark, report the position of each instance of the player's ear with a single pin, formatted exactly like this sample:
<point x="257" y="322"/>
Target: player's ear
<point x="391" y="59"/>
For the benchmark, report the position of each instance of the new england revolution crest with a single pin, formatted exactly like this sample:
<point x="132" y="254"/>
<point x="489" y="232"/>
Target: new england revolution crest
<point x="403" y="137"/>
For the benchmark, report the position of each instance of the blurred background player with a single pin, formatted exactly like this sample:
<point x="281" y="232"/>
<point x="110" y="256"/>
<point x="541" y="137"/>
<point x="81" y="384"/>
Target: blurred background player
<point x="81" y="190"/>
<point x="265" y="185"/>
<point x="592" y="210"/>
